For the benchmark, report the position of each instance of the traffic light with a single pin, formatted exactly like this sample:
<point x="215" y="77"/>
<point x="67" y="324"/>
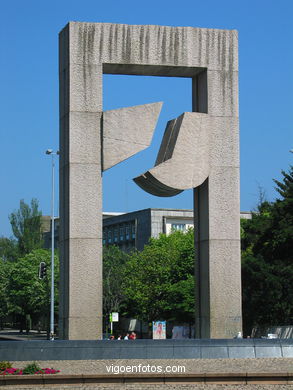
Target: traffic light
<point x="42" y="270"/>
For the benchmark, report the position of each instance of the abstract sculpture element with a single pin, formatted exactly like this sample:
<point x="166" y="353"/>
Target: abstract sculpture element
<point x="183" y="159"/>
<point x="122" y="137"/>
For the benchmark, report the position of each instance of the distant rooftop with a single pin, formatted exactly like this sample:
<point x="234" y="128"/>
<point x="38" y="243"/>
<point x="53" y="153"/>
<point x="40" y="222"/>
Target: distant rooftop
<point x="109" y="214"/>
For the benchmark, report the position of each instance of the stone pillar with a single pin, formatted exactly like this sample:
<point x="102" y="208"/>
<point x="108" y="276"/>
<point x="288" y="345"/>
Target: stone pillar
<point x="80" y="196"/>
<point x="217" y="214"/>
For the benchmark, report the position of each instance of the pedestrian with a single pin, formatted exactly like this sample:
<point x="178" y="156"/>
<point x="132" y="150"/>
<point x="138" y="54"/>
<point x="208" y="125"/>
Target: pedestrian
<point x="119" y="337"/>
<point x="132" y="336"/>
<point x="126" y="337"/>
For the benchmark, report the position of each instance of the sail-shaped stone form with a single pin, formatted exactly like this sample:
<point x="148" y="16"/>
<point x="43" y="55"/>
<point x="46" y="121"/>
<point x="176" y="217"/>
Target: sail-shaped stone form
<point x="127" y="131"/>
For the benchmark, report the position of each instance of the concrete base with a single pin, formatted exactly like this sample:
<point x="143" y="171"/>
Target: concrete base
<point x="145" y="349"/>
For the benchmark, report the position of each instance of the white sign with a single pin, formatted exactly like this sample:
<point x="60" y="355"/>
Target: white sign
<point x="115" y="317"/>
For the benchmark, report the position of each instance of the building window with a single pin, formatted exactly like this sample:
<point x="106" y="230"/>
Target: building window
<point x="178" y="226"/>
<point x="121" y="230"/>
<point x="104" y="237"/>
<point x="173" y="224"/>
<point x="116" y="235"/>
<point x="127" y="233"/>
<point x="109" y="236"/>
<point x="133" y="232"/>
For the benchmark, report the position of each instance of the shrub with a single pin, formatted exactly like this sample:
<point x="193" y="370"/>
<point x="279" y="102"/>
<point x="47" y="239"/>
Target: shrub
<point x="4" y="365"/>
<point x="31" y="369"/>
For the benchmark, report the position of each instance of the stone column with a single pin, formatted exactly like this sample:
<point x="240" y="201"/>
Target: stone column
<point x="80" y="195"/>
<point x="217" y="214"/>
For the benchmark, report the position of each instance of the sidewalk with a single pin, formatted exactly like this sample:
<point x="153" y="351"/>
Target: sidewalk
<point x="192" y="366"/>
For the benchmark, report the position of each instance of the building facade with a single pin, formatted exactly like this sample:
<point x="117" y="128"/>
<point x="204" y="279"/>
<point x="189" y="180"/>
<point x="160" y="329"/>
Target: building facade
<point x="133" y="230"/>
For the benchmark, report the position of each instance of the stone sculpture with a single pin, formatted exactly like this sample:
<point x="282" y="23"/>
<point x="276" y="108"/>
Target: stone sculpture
<point x="199" y="150"/>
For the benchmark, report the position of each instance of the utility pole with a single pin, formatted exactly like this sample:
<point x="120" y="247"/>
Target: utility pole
<point x="50" y="152"/>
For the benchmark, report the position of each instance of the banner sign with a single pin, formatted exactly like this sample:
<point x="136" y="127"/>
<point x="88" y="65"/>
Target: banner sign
<point x="159" y="330"/>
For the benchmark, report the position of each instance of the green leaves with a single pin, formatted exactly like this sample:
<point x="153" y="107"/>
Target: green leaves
<point x="26" y="293"/>
<point x="159" y="281"/>
<point x="267" y="268"/>
<point x="8" y="249"/>
<point x="4" y="274"/>
<point x="21" y="290"/>
<point x="113" y="270"/>
<point x="26" y="226"/>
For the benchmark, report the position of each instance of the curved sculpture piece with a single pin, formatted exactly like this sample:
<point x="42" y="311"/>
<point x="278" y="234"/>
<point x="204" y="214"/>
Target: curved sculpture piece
<point x="150" y="184"/>
<point x="183" y="159"/>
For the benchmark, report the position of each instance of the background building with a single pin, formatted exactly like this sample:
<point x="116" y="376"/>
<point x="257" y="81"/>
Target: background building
<point x="134" y="229"/>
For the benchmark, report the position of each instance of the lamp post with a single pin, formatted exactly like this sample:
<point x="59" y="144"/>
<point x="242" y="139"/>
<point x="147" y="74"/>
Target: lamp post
<point x="52" y="153"/>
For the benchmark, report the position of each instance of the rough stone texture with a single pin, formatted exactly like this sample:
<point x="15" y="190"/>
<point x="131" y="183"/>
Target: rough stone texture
<point x="210" y="58"/>
<point x="84" y="142"/>
<point x="222" y="93"/>
<point x="127" y="131"/>
<point x="224" y="141"/>
<point x="96" y="43"/>
<point x="80" y="204"/>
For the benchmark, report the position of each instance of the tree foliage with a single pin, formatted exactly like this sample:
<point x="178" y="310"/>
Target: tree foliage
<point x="22" y="293"/>
<point x="114" y="261"/>
<point x="8" y="249"/>
<point x="4" y="277"/>
<point x="267" y="268"/>
<point x="26" y="226"/>
<point x="25" y="292"/>
<point x="159" y="281"/>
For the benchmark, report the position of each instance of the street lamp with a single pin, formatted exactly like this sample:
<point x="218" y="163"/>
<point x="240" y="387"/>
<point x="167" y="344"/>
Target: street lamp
<point x="52" y="153"/>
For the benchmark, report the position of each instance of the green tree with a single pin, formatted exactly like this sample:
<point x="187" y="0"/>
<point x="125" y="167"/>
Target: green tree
<point x="8" y="249"/>
<point x="26" y="226"/>
<point x="114" y="261"/>
<point x="4" y="277"/>
<point x="27" y="294"/>
<point x="159" y="281"/>
<point x="267" y="269"/>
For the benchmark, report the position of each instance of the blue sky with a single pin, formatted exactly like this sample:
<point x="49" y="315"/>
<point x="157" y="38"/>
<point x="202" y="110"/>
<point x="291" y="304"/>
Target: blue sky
<point x="29" y="94"/>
